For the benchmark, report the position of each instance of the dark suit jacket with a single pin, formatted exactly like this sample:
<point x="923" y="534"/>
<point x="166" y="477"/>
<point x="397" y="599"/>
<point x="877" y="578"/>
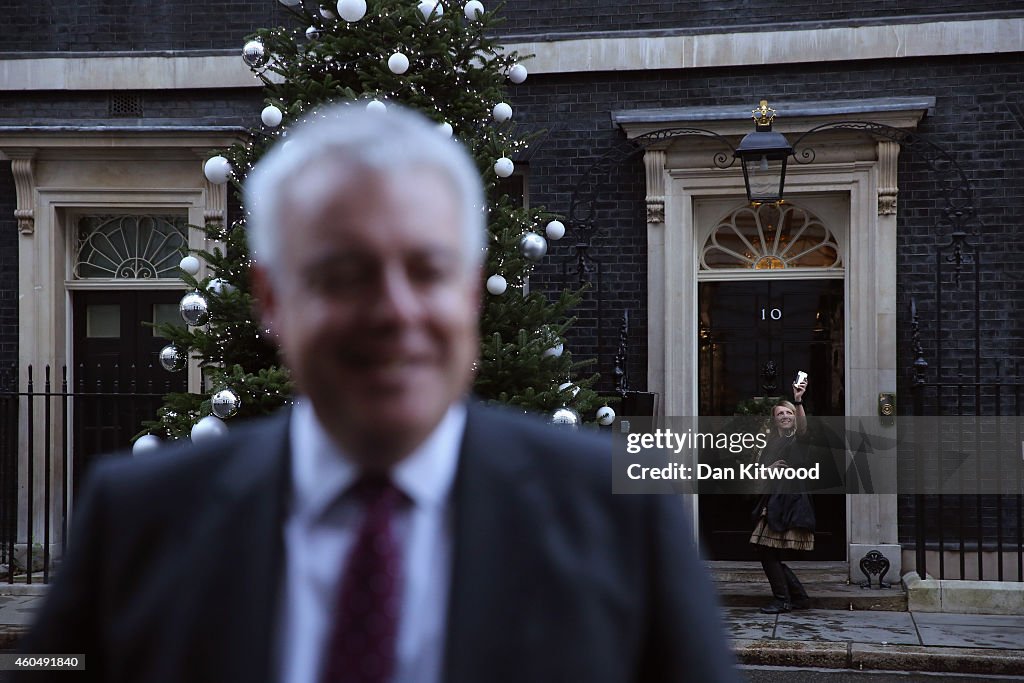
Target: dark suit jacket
<point x="175" y="559"/>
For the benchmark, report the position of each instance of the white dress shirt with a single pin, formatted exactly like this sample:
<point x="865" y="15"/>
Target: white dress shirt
<point x="320" y="530"/>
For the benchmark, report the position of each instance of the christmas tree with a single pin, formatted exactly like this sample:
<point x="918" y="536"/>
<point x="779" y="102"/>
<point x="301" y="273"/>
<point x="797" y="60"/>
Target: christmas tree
<point x="438" y="58"/>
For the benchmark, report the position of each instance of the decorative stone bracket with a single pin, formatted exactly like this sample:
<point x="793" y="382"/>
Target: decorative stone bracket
<point x="23" y="169"/>
<point x="654" y="165"/>
<point x="888" y="155"/>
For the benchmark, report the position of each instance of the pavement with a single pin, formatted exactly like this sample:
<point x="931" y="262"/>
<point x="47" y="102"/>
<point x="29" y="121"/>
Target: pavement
<point x="981" y="646"/>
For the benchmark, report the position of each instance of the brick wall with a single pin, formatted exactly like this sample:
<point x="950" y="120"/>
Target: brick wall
<point x="89" y="25"/>
<point x="974" y="119"/>
<point x="234" y="107"/>
<point x="8" y="270"/>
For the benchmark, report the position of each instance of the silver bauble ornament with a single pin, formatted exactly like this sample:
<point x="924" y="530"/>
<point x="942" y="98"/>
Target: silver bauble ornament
<point x="194" y="309"/>
<point x="533" y="246"/>
<point x="207" y="429"/>
<point x="147" y="443"/>
<point x="446" y="129"/>
<point x="225" y="403"/>
<point x="605" y="416"/>
<point x="376" y="106"/>
<point x="570" y="387"/>
<point x="290" y="3"/>
<point x="255" y="54"/>
<point x="555" y="230"/>
<point x="172" y="359"/>
<point x="312" y="33"/>
<point x="566" y="417"/>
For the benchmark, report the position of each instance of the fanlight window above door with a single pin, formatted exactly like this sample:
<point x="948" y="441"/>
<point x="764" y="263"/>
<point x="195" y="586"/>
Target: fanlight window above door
<point x="770" y="237"/>
<point x="130" y="247"/>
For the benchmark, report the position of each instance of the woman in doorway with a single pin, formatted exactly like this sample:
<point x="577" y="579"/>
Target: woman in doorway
<point x="784" y="520"/>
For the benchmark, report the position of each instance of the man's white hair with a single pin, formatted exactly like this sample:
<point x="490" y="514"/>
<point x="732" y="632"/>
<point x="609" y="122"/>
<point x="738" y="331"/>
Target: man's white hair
<point x="381" y="142"/>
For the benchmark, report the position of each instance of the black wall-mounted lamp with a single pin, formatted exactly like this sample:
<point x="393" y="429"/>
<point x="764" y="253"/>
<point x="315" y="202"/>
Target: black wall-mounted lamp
<point x="764" y="154"/>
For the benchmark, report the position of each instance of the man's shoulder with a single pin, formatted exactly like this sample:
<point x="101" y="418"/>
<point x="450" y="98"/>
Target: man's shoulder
<point x="185" y="462"/>
<point x="511" y="433"/>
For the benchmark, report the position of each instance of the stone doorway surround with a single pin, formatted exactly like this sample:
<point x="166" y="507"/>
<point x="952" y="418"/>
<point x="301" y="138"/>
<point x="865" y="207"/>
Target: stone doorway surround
<point x="61" y="171"/>
<point x="854" y="166"/>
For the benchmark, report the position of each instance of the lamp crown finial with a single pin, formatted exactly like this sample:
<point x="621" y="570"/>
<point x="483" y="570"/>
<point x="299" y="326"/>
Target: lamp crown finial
<point x="764" y="115"/>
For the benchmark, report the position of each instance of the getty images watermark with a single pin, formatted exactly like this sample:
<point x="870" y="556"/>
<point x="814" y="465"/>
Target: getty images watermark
<point x="835" y="455"/>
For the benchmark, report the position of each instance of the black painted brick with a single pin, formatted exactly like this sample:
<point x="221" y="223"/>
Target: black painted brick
<point x="8" y="270"/>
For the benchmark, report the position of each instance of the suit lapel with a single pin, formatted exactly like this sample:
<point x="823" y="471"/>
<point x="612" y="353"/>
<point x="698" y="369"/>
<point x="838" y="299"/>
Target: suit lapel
<point x="242" y="546"/>
<point x="495" y="573"/>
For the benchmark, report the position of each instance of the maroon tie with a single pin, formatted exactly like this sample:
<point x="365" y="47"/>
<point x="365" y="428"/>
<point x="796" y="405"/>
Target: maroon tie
<point x="361" y="648"/>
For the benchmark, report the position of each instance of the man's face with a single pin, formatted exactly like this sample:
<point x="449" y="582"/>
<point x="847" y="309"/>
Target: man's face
<point x="374" y="304"/>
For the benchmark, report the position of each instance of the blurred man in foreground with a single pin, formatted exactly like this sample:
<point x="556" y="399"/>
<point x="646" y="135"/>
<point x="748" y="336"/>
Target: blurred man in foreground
<point x="387" y="528"/>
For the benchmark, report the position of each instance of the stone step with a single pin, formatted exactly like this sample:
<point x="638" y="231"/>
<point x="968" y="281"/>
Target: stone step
<point x="823" y="595"/>
<point x="751" y="572"/>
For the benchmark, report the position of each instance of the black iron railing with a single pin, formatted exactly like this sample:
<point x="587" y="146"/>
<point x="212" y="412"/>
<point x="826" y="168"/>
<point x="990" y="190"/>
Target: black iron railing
<point x="51" y="431"/>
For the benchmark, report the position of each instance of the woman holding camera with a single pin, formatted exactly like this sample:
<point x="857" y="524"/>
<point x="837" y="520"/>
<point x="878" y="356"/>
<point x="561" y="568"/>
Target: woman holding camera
<point x="784" y="520"/>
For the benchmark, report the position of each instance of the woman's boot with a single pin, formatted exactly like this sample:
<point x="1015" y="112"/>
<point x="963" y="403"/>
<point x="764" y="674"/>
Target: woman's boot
<point x="773" y="569"/>
<point x="798" y="596"/>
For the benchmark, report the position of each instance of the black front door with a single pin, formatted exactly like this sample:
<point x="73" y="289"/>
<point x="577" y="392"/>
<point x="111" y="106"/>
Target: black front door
<point x="754" y="338"/>
<point x="118" y="381"/>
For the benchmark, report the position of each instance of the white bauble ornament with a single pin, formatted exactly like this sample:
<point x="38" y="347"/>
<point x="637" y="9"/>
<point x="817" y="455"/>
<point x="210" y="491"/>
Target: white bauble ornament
<point x="502" y="112"/>
<point x="555" y="230"/>
<point x="326" y="12"/>
<point x="225" y="403"/>
<point x="217" y="170"/>
<point x="517" y="74"/>
<point x="376" y="106"/>
<point x="207" y="429"/>
<point x="605" y="416"/>
<point x="553" y="352"/>
<point x="504" y="167"/>
<point x="171" y="358"/>
<point x="194" y="309"/>
<point x="352" y="10"/>
<point x="255" y="54"/>
<point x="398" y="63"/>
<point x="189" y="264"/>
<point x="429" y="8"/>
<point x="147" y="443"/>
<point x="533" y="246"/>
<point x="566" y="417"/>
<point x="570" y="387"/>
<point x="312" y="33"/>
<point x="496" y="285"/>
<point x="474" y="9"/>
<point x="446" y="129"/>
<point x="271" y="116"/>
<point x="220" y="286"/>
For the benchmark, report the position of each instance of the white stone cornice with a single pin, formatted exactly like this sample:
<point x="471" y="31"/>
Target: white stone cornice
<point x="565" y="54"/>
